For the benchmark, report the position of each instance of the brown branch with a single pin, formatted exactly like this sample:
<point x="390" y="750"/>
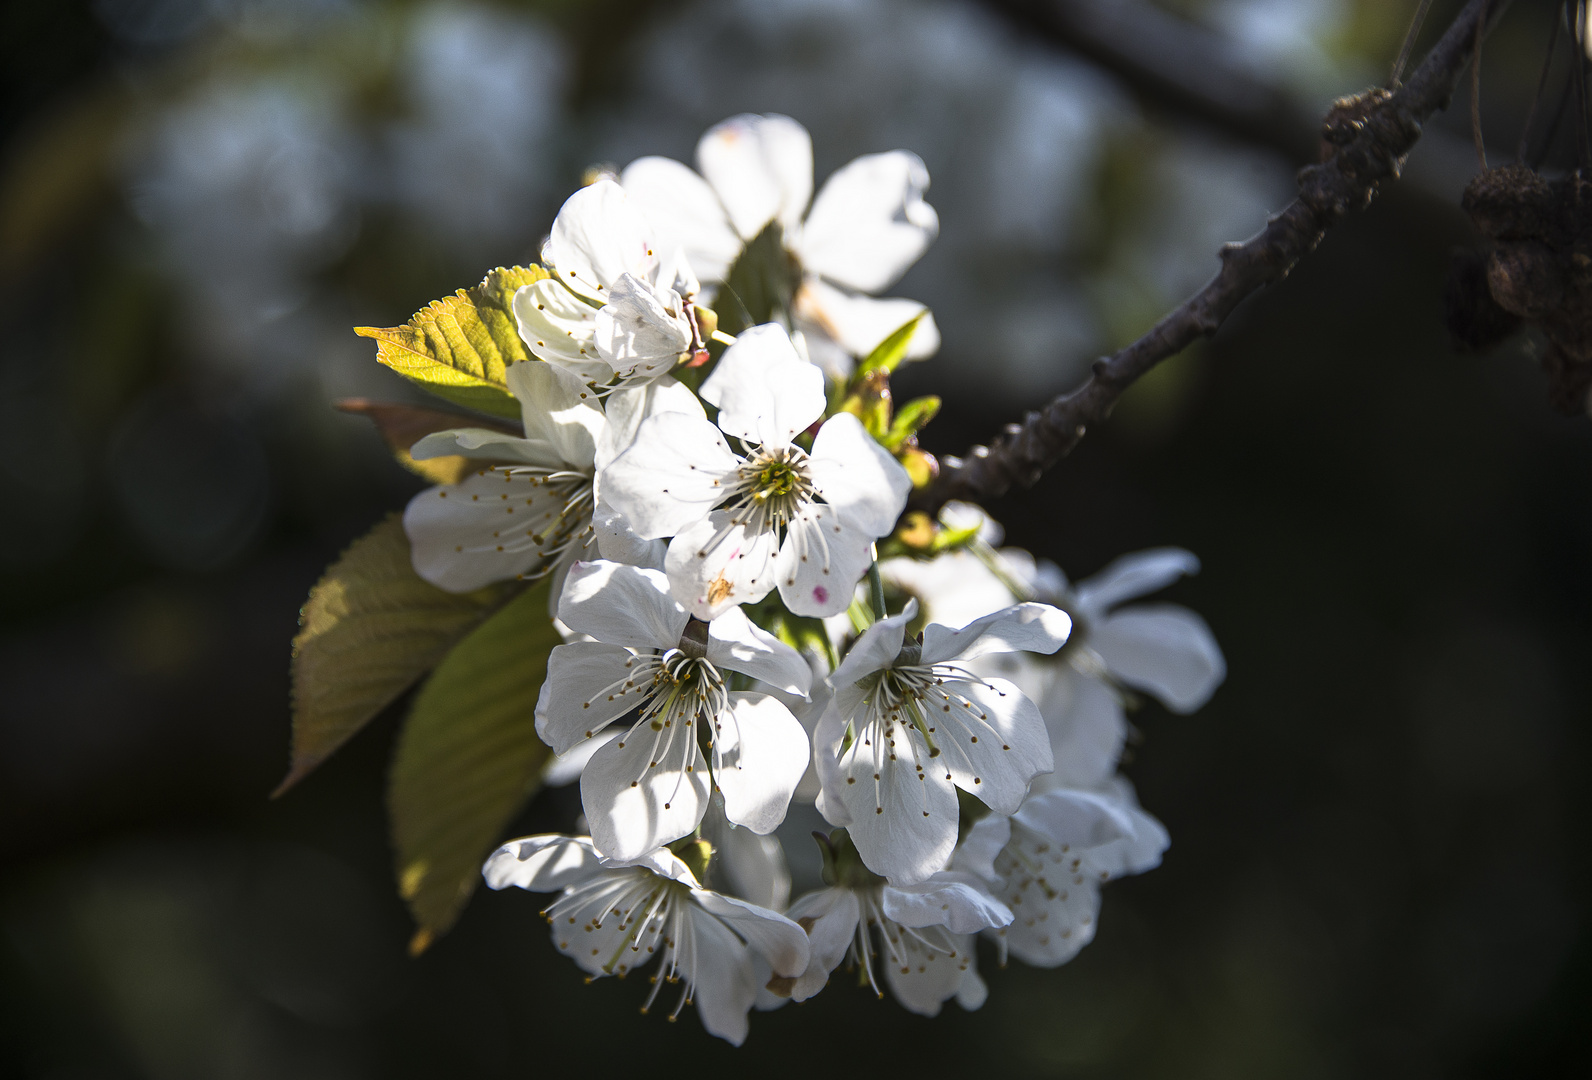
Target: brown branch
<point x="1372" y="134"/>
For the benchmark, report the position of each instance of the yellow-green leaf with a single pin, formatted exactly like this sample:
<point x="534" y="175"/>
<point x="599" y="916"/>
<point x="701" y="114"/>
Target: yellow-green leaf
<point x="370" y="629"/>
<point x="467" y="760"/>
<point x="889" y="353"/>
<point x="460" y="347"/>
<point x="910" y="419"/>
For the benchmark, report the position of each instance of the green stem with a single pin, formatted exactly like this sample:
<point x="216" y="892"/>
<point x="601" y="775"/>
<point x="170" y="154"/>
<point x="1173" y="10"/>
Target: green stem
<point x="876" y="591"/>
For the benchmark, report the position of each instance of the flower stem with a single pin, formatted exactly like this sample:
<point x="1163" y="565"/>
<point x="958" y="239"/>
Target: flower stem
<point x="876" y="591"/>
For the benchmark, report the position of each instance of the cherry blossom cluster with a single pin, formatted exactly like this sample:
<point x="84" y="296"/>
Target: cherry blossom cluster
<point x="748" y="622"/>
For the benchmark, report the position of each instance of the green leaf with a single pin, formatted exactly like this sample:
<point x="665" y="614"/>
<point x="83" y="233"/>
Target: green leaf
<point x="889" y="353"/>
<point x="910" y="419"/>
<point x="370" y="628"/>
<point x="760" y="284"/>
<point x="467" y="760"/>
<point x="460" y="347"/>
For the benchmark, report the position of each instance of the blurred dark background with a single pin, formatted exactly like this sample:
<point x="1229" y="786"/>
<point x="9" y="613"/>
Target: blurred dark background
<point x="1379" y="825"/>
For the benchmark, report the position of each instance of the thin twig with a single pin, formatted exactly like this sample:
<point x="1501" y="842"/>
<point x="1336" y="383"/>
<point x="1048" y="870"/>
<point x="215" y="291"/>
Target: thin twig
<point x="1542" y="84"/>
<point x="1475" y="89"/>
<point x="1409" y="44"/>
<point x="1373" y="143"/>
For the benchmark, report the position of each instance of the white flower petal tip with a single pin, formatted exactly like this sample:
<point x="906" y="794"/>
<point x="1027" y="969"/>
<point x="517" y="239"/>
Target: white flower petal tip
<point x="762" y="169"/>
<point x="1164" y="649"/>
<point x="870" y="222"/>
<point x="764" y="391"/>
<point x="1132" y="576"/>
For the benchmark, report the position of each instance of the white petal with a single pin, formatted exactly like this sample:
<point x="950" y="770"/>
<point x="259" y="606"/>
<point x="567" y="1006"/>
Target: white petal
<point x="714" y="565"/>
<point x="902" y="821"/>
<point x="759" y="755"/>
<point x="482" y="444"/>
<point x="622" y="605"/>
<point x="1133" y="854"/>
<point x="542" y="863"/>
<point x="771" y="935"/>
<point x="762" y="169"/>
<point x="876" y="649"/>
<point x="827" y="739"/>
<point x="566" y="768"/>
<point x="672" y="475"/>
<point x="584" y="692"/>
<point x="722" y="978"/>
<point x="1036" y="628"/>
<point x="869" y="223"/>
<point x="830" y="917"/>
<point x="1164" y="649"/>
<point x="824" y="556"/>
<point x="857" y="476"/>
<point x="764" y="392"/>
<point x="960" y="902"/>
<point x="618" y="542"/>
<point x="684" y="212"/>
<point x="1077" y="819"/>
<point x="982" y="845"/>
<point x="638" y="333"/>
<point x="559" y="411"/>
<point x="746" y="865"/>
<point x="924" y="975"/>
<point x="664" y="863"/>
<point x="560" y="327"/>
<point x="597" y="236"/>
<point x="1087" y="728"/>
<point x="735" y="643"/>
<point x="643" y="790"/>
<point x="1056" y="908"/>
<point x="1134" y="575"/>
<point x="971" y="993"/>
<point x="629" y="406"/>
<point x="992" y="739"/>
<point x="494" y="526"/>
<point x="857" y="325"/>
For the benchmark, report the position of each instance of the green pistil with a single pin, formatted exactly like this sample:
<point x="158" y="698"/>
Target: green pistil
<point x="774" y="480"/>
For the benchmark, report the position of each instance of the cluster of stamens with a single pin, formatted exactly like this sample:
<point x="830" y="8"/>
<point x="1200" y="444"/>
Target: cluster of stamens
<point x="899" y="941"/>
<point x="770" y="487"/>
<point x="673" y="688"/>
<point x="560" y="513"/>
<point x="906" y="704"/>
<point x="652" y="919"/>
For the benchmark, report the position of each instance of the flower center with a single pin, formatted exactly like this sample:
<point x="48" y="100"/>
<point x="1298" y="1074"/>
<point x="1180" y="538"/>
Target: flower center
<point x="683" y="687"/>
<point x="772" y="487"/>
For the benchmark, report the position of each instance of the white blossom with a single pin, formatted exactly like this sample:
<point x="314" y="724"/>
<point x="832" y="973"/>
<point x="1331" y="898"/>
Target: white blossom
<point x="531" y="510"/>
<point x="612" y="919"/>
<point x="775" y="516"/>
<point x="1164" y="650"/>
<point x="650" y="785"/>
<point x="1048" y="861"/>
<point x="617" y="304"/>
<point x="925" y="934"/>
<point x="910" y="723"/>
<point x="868" y="224"/>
